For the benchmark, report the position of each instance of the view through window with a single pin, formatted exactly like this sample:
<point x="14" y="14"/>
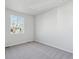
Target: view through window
<point x="17" y="24"/>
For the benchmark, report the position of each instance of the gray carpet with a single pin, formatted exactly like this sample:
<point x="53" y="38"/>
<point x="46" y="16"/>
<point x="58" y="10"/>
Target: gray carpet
<point x="35" y="50"/>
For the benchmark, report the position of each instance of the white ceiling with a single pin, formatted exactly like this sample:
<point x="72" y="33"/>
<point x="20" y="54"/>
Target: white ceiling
<point x="33" y="7"/>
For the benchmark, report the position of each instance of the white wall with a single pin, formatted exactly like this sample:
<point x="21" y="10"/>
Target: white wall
<point x="13" y="39"/>
<point x="55" y="27"/>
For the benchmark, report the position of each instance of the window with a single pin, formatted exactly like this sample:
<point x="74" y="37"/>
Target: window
<point x="17" y="24"/>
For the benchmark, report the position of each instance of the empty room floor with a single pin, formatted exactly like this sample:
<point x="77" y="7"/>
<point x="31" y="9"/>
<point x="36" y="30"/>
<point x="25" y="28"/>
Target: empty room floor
<point x="35" y="50"/>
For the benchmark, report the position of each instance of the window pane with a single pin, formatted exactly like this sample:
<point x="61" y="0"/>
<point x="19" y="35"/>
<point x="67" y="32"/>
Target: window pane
<point x="17" y="24"/>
